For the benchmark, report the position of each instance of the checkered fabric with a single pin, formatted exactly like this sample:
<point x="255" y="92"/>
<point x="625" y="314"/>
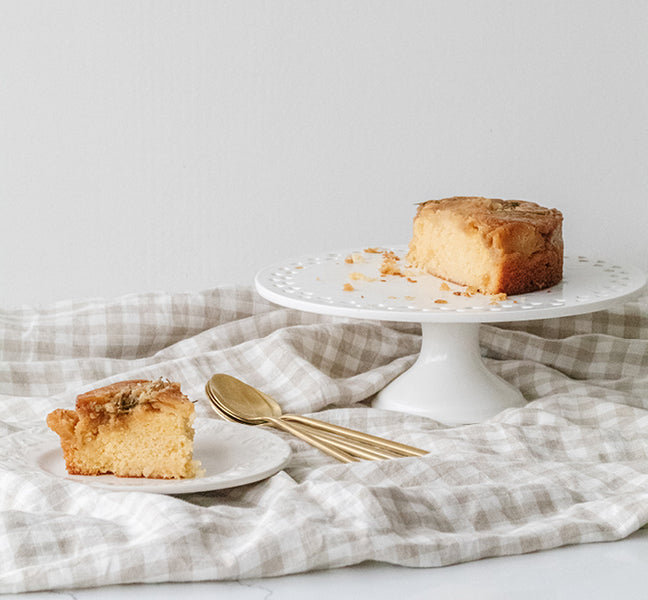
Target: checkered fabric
<point x="569" y="467"/>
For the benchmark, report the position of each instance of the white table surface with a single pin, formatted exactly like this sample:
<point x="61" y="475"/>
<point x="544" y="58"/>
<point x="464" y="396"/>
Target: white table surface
<point x="583" y="572"/>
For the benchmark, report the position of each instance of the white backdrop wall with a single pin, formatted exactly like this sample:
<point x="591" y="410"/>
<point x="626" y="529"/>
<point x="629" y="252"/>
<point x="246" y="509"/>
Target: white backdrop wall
<point x="158" y="145"/>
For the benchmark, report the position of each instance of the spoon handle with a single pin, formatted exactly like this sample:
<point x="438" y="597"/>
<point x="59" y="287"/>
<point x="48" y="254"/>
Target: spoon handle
<point x="402" y="449"/>
<point x="313" y="441"/>
<point x="356" y="448"/>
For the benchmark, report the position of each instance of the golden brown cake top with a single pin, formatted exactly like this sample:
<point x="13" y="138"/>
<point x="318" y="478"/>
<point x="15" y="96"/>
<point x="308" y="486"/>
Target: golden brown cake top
<point x="493" y="212"/>
<point x="121" y="397"/>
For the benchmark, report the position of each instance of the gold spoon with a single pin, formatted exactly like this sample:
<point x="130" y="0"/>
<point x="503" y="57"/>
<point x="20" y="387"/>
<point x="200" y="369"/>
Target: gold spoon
<point x="349" y="446"/>
<point x="243" y="401"/>
<point x="287" y="427"/>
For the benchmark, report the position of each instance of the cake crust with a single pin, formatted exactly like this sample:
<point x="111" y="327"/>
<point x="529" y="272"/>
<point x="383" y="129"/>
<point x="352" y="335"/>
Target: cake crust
<point x="496" y="246"/>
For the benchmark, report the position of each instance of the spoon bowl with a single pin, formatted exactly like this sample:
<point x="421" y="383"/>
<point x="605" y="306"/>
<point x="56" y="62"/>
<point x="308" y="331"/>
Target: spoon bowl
<point x="242" y="400"/>
<point x="227" y="387"/>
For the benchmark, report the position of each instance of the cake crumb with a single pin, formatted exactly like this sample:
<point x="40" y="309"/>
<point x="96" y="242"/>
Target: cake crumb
<point x="467" y="292"/>
<point x="389" y="266"/>
<point x="354" y="258"/>
<point x="444" y="287"/>
<point x="347" y="287"/>
<point x="411" y="280"/>
<point x="355" y="276"/>
<point x="440" y="301"/>
<point x="373" y="250"/>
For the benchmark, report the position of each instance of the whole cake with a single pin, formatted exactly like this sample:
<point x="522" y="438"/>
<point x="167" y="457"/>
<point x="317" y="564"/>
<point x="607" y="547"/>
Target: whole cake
<point x="134" y="428"/>
<point x="494" y="246"/>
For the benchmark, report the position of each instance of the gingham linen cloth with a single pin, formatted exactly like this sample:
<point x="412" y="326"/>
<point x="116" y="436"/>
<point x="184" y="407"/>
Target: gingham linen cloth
<point x="570" y="467"/>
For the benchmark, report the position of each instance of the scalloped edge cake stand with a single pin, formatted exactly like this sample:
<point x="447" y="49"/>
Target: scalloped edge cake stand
<point x="449" y="381"/>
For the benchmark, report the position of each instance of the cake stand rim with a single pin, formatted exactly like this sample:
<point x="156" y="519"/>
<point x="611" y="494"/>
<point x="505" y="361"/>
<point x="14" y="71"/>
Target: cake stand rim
<point x="420" y="316"/>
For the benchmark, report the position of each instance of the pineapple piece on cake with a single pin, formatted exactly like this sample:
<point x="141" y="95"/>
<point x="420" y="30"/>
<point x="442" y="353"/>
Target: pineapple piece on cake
<point x="135" y="428"/>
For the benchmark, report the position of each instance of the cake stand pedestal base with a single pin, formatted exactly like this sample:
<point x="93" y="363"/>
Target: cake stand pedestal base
<point x="449" y="382"/>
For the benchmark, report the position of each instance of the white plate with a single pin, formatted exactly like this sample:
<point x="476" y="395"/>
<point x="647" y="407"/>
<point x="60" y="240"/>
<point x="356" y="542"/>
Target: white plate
<point x="231" y="455"/>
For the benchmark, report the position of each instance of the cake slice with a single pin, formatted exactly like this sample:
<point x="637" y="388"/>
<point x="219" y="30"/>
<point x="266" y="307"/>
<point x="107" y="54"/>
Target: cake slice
<point x="495" y="246"/>
<point x="134" y="428"/>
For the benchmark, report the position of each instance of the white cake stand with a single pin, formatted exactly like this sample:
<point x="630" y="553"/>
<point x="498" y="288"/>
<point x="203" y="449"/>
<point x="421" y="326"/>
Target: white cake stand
<point x="449" y="381"/>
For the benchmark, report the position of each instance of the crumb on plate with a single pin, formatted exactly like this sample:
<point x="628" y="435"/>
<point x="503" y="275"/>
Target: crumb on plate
<point x="389" y="264"/>
<point x="355" y="276"/>
<point x="354" y="258"/>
